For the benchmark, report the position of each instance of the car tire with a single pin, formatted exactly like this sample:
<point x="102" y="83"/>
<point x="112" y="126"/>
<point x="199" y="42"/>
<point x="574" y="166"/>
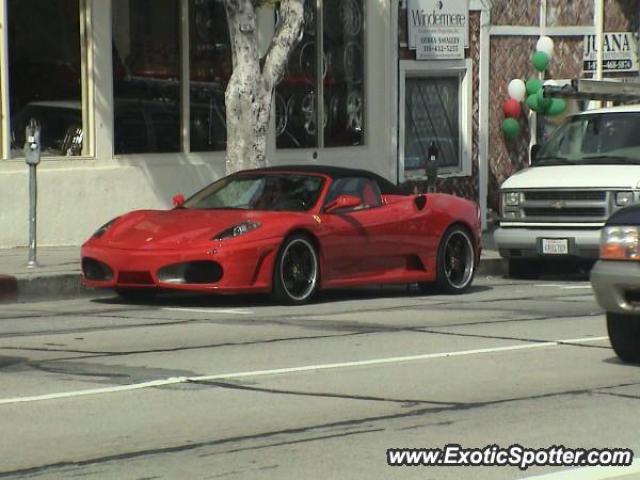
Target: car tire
<point x="523" y="269"/>
<point x="296" y="274"/>
<point x="456" y="261"/>
<point x="136" y="294"/>
<point x="624" y="335"/>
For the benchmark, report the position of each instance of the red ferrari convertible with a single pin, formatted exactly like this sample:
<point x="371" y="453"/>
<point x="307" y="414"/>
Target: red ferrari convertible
<point x="290" y="231"/>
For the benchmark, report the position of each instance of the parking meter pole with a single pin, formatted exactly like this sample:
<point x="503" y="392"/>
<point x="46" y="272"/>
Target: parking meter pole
<point x="32" y="158"/>
<point x="33" y="207"/>
<point x="432" y="167"/>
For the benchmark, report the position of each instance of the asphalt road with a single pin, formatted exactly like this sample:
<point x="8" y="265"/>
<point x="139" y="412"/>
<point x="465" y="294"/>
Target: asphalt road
<point x="192" y="388"/>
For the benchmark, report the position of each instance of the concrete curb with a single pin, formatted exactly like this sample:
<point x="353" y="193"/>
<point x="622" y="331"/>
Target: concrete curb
<point x="8" y="288"/>
<point x="41" y="288"/>
<point x="65" y="286"/>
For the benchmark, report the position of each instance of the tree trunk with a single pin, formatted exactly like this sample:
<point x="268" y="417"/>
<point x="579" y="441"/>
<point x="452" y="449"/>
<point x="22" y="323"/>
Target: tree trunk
<point x="250" y="90"/>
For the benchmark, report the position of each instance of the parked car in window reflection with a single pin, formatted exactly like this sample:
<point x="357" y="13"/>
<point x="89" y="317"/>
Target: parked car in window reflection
<point x="60" y="122"/>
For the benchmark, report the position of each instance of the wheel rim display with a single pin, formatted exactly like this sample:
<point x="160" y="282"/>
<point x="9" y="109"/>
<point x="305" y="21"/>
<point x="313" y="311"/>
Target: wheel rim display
<point x="299" y="269"/>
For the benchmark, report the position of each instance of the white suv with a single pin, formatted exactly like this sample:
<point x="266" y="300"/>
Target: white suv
<point x="589" y="168"/>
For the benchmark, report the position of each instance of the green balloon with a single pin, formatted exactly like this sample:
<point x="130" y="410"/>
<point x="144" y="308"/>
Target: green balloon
<point x="540" y="61"/>
<point x="533" y="85"/>
<point x="532" y="102"/>
<point x="510" y="128"/>
<point x="558" y="105"/>
<point x="543" y="102"/>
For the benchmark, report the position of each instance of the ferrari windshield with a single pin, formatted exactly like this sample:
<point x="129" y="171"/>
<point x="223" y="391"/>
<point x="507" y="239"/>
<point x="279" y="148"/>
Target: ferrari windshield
<point x="276" y="192"/>
<point x="607" y="138"/>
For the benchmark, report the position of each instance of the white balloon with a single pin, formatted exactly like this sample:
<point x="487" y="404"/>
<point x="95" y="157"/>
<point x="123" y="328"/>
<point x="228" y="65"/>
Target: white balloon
<point x="517" y="89"/>
<point x="545" y="44"/>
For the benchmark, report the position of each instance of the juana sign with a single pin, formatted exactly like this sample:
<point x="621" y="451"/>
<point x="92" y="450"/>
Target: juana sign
<point x="438" y="29"/>
<point x="620" y="52"/>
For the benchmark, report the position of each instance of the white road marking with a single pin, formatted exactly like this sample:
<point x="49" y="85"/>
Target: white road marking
<point x="232" y="311"/>
<point x="592" y="473"/>
<point x="306" y="368"/>
<point x="563" y="286"/>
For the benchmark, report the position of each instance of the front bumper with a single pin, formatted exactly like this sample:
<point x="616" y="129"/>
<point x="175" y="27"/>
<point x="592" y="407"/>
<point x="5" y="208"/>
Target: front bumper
<point x="522" y="242"/>
<point x="616" y="285"/>
<point x="246" y="267"/>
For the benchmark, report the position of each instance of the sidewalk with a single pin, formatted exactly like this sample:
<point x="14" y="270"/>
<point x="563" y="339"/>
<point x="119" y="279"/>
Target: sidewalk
<point x="58" y="276"/>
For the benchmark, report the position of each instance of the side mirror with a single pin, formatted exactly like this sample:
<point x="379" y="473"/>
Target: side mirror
<point x="534" y="152"/>
<point x="178" y="200"/>
<point x="343" y="201"/>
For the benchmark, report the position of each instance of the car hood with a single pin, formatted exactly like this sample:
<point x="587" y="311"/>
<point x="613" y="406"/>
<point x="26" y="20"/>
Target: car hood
<point x="153" y="229"/>
<point x="576" y="176"/>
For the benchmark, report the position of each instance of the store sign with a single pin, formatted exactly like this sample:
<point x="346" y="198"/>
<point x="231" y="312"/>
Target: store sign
<point x="620" y="52"/>
<point x="438" y="29"/>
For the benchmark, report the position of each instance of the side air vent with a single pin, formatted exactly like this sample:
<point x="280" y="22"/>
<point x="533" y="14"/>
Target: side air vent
<point x="420" y="201"/>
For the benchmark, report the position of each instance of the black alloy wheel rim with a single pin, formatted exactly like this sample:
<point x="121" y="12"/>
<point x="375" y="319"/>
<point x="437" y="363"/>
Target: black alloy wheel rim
<point x="458" y="260"/>
<point x="299" y="269"/>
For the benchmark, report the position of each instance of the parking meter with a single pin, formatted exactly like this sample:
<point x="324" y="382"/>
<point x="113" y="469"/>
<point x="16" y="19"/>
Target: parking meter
<point x="432" y="167"/>
<point x="32" y="143"/>
<point x="32" y="158"/>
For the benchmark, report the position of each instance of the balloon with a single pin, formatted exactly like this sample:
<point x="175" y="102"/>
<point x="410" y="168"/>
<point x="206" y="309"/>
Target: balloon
<point x="510" y="128"/>
<point x="558" y="106"/>
<point x="540" y="61"/>
<point x="517" y="89"/>
<point x="533" y="85"/>
<point x="532" y="102"/>
<point x="543" y="102"/>
<point x="511" y="108"/>
<point x="545" y="44"/>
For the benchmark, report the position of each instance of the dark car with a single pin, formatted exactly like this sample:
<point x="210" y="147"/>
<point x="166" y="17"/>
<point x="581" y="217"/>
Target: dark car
<point x="616" y="281"/>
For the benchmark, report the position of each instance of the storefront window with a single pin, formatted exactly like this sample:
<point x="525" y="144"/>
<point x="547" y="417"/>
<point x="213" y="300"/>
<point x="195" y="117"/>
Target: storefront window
<point x="45" y="74"/>
<point x="325" y="65"/>
<point x="436" y="112"/>
<point x="296" y="96"/>
<point x="343" y="86"/>
<point x="211" y="67"/>
<point x="431" y="121"/>
<point x="146" y="76"/>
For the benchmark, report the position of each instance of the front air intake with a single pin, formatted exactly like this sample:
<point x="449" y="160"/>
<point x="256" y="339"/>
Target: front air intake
<point x="198" y="273"/>
<point x="93" y="269"/>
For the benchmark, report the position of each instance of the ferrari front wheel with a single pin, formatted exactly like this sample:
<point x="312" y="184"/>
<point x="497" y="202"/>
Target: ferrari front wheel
<point x="296" y="273"/>
<point x="456" y="261"/>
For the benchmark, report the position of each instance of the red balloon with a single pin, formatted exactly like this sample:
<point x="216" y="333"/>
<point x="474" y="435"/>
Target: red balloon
<point x="511" y="108"/>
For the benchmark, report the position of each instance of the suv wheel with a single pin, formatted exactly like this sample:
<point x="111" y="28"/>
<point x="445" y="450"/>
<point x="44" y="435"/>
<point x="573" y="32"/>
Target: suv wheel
<point x="624" y="334"/>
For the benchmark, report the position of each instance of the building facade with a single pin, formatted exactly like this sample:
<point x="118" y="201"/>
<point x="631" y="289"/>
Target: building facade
<point x="130" y="98"/>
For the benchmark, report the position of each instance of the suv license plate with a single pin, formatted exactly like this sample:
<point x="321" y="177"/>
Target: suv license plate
<point x="555" y="246"/>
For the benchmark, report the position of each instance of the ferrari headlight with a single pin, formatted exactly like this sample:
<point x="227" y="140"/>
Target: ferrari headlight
<point x="620" y="243"/>
<point x="237" y="230"/>
<point x="624" y="198"/>
<point x="101" y="231"/>
<point x="512" y="199"/>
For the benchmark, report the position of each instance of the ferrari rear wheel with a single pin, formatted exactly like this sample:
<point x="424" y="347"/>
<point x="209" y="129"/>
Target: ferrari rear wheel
<point x="296" y="274"/>
<point x="456" y="262"/>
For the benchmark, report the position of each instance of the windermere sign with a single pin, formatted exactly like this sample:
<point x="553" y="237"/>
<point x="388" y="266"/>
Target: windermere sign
<point x="438" y="29"/>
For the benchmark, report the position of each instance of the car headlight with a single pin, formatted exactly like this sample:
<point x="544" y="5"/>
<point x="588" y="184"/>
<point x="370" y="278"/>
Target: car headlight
<point x="624" y="198"/>
<point x="237" y="230"/>
<point x="101" y="231"/>
<point x="512" y="199"/>
<point x="620" y="243"/>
